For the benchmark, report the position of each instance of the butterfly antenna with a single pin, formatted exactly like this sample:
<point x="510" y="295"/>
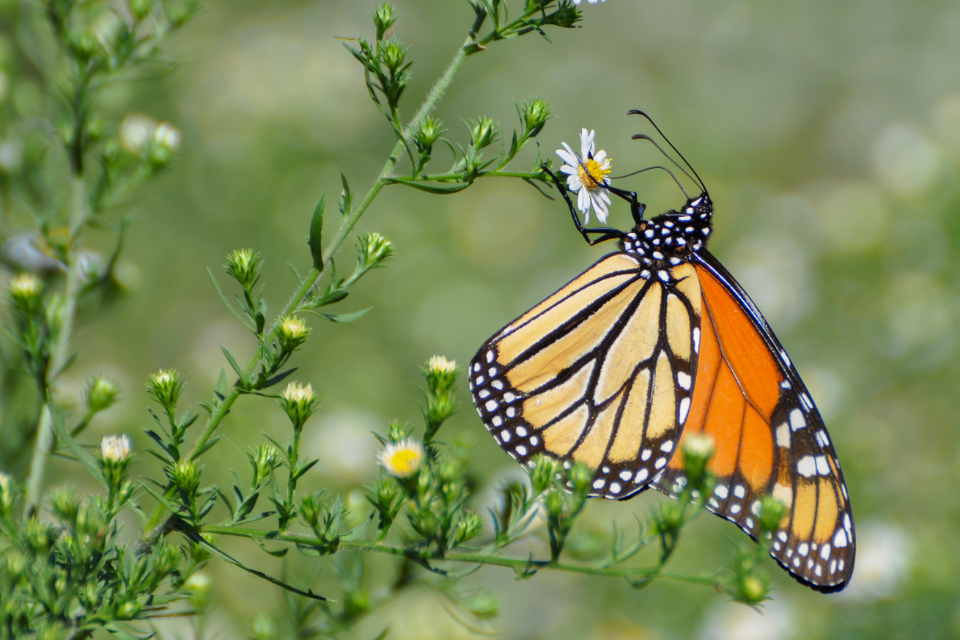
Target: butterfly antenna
<point x="672" y="175"/>
<point x="643" y="136"/>
<point x="650" y="120"/>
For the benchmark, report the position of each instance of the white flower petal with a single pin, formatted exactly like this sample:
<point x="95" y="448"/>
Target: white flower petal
<point x="583" y="204"/>
<point x="567" y="155"/>
<point x="601" y="157"/>
<point x="573" y="182"/>
<point x="586" y="143"/>
<point x="567" y="169"/>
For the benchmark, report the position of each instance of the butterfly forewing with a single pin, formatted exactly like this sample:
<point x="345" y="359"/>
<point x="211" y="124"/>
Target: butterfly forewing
<point x="769" y="437"/>
<point x="601" y="372"/>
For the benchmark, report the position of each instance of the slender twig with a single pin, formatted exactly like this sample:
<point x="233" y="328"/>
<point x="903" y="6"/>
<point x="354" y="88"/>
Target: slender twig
<point x="60" y="351"/>
<point x="427" y="555"/>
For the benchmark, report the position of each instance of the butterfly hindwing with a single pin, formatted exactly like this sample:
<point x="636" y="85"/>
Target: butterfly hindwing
<point x="601" y="372"/>
<point x="770" y="438"/>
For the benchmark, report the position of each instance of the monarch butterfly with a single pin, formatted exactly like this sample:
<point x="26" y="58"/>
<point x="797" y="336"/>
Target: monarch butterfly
<point x="652" y="343"/>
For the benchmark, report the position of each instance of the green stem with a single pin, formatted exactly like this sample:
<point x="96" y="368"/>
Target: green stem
<point x="346" y="226"/>
<point x="518" y="564"/>
<point x="60" y="351"/>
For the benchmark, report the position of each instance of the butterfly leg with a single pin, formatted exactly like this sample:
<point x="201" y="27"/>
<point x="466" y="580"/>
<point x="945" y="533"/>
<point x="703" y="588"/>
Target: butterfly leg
<point x="636" y="208"/>
<point x="606" y="233"/>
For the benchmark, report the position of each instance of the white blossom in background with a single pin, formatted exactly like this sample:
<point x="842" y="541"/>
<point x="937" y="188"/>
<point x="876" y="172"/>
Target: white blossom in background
<point x="136" y="131"/>
<point x="774" y="620"/>
<point x="586" y="175"/>
<point x="577" y="2"/>
<point x="883" y="561"/>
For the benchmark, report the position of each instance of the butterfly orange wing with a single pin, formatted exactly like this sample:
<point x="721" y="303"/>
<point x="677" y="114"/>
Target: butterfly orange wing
<point x="770" y="438"/>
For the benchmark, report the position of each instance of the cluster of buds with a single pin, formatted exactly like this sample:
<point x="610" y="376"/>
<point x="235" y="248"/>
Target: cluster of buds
<point x="441" y="375"/>
<point x="385" y="61"/>
<point x="264" y="461"/>
<point x="563" y="508"/>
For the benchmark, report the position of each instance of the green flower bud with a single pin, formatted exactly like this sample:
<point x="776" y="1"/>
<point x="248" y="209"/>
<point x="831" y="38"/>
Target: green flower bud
<point x="580" y="476"/>
<point x="441" y="374"/>
<point x="772" y="514"/>
<point x="387" y="492"/>
<point x="483" y="604"/>
<point x="200" y="586"/>
<point x="470" y="526"/>
<point x="141" y="8"/>
<point x="186" y="475"/>
<point x="697" y="450"/>
<point x="374" y="249"/>
<point x="312" y="508"/>
<point x="8" y="494"/>
<point x="535" y="114"/>
<point x="38" y="535"/>
<point x="749" y="585"/>
<point x="166" y="559"/>
<point x="543" y="474"/>
<point x="427" y="134"/>
<point x="264" y="460"/>
<point x="25" y="293"/>
<point x="65" y="505"/>
<point x="397" y="431"/>
<point x="384" y="19"/>
<point x="165" y="387"/>
<point x="291" y="333"/>
<point x="392" y="54"/>
<point x="263" y="628"/>
<point x="554" y="505"/>
<point x="482" y="132"/>
<point x="299" y="402"/>
<point x="244" y="266"/>
<point x="100" y="393"/>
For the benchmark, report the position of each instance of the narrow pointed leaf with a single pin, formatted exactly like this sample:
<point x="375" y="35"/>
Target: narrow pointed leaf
<point x="85" y="458"/>
<point x="316" y="234"/>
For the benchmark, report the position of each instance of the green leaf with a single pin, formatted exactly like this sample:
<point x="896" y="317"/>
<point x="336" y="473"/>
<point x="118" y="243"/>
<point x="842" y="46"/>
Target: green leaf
<point x="226" y="303"/>
<point x="438" y="188"/>
<point x="316" y="234"/>
<point x="196" y="537"/>
<point x="85" y="458"/>
<point x="343" y="317"/>
<point x="235" y="366"/>
<point x="205" y="447"/>
<point x="345" y="196"/>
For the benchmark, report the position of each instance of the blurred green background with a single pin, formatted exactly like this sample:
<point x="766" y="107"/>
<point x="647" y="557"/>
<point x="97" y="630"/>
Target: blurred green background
<point x="829" y="137"/>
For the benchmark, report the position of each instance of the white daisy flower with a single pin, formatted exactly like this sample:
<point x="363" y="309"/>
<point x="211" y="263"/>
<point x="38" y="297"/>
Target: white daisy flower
<point x="402" y="459"/>
<point x="586" y="174"/>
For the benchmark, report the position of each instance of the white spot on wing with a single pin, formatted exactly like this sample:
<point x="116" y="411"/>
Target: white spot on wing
<point x="684" y="409"/>
<point x="683" y="379"/>
<point x="806" y="466"/>
<point x="797" y="421"/>
<point x="783" y="436"/>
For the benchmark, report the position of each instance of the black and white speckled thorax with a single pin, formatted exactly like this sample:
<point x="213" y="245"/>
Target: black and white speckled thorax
<point x="669" y="238"/>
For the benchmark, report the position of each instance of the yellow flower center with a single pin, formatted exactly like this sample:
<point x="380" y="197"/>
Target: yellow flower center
<point x="404" y="462"/>
<point x="592" y="173"/>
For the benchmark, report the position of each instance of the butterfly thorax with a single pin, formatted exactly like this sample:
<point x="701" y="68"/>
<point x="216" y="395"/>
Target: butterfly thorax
<point x="670" y="237"/>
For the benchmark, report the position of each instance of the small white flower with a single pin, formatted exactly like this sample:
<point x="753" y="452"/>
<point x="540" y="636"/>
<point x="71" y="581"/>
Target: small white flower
<point x="884" y="551"/>
<point x="167" y="135"/>
<point x="441" y="365"/>
<point x="577" y="2"/>
<point x="586" y="175"/>
<point x="115" y="448"/>
<point x="299" y="394"/>
<point x="402" y="459"/>
<point x="136" y="130"/>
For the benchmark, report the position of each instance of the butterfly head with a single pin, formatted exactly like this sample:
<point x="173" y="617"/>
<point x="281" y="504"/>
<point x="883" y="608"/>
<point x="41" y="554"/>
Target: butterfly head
<point x="673" y="235"/>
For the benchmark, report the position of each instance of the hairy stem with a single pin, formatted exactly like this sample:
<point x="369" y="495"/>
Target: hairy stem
<point x="424" y="555"/>
<point x="60" y="350"/>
